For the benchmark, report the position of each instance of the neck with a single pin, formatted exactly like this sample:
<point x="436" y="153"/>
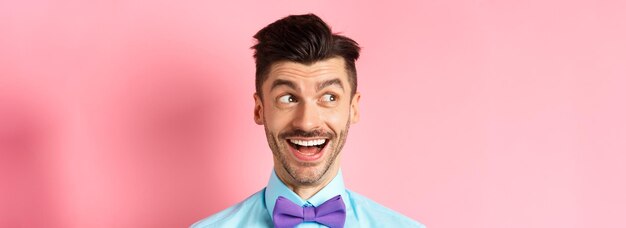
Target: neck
<point x="307" y="191"/>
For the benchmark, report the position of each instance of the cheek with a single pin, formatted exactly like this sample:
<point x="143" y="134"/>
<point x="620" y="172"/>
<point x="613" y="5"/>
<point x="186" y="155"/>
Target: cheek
<point x="337" y="117"/>
<point x="276" y="120"/>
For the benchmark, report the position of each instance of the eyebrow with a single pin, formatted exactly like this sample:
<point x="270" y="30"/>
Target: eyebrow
<point x="331" y="82"/>
<point x="282" y="82"/>
<point x="320" y="86"/>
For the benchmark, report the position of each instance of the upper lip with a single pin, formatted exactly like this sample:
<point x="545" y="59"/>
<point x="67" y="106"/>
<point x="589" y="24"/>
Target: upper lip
<point x="304" y="138"/>
<point x="308" y="141"/>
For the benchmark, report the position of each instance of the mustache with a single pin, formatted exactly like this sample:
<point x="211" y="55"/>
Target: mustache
<point x="306" y="134"/>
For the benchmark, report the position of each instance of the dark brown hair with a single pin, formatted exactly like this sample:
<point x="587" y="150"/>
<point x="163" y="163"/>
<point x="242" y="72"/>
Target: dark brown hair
<point x="303" y="39"/>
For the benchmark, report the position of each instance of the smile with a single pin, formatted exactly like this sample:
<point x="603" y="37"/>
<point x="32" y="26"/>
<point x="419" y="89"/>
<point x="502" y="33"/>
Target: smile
<point x="315" y="142"/>
<point x="307" y="149"/>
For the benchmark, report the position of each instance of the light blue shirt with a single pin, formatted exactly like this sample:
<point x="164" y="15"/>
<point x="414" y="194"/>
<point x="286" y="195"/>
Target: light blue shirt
<point x="256" y="210"/>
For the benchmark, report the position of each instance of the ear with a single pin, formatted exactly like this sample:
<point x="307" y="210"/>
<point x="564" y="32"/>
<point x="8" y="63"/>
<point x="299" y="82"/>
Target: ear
<point x="258" y="109"/>
<point x="354" y="108"/>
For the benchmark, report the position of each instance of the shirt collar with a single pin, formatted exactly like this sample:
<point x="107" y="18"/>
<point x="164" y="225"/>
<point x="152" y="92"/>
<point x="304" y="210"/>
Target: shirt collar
<point x="275" y="188"/>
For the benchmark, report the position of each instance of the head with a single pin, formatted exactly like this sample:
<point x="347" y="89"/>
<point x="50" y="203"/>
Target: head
<point x="306" y="96"/>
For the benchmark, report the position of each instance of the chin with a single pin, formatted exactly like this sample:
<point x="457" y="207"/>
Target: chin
<point x="308" y="175"/>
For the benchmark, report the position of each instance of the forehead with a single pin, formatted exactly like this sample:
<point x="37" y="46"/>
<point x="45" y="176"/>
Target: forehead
<point x="333" y="67"/>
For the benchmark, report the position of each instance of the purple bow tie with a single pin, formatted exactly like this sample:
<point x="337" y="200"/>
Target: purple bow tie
<point x="331" y="213"/>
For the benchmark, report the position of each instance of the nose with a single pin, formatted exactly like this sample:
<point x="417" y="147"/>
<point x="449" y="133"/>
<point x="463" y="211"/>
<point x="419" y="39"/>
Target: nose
<point x="308" y="117"/>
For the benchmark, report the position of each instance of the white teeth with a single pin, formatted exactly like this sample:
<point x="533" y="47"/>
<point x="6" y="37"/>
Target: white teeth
<point x="315" y="142"/>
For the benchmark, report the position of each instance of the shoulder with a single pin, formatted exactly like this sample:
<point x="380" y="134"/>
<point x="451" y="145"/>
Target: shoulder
<point x="378" y="215"/>
<point x="250" y="212"/>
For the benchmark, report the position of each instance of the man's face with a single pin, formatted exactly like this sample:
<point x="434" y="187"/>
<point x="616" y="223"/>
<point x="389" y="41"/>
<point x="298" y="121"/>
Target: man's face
<point x="307" y="111"/>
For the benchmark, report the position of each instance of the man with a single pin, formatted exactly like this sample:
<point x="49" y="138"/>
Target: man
<point x="306" y="98"/>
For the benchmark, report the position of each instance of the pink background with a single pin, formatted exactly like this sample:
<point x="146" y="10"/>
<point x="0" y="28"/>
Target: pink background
<point x="474" y="113"/>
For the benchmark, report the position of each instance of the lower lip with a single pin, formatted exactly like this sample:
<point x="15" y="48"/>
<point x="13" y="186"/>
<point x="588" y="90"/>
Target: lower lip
<point x="307" y="157"/>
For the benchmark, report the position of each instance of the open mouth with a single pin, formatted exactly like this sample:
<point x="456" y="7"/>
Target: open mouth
<point x="308" y="149"/>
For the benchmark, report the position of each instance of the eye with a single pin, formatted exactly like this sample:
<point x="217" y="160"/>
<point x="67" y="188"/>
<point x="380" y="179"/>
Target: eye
<point x="286" y="99"/>
<point x="329" y="98"/>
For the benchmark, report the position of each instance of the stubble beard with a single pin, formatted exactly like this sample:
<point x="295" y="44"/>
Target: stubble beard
<point x="293" y="169"/>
